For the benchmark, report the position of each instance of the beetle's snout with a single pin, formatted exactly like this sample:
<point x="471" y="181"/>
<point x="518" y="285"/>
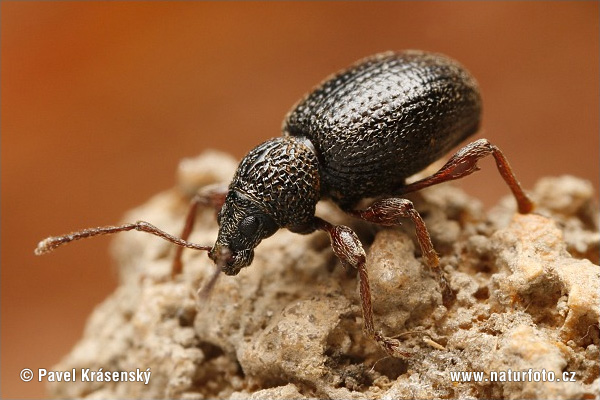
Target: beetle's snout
<point x="228" y="261"/>
<point x="221" y="255"/>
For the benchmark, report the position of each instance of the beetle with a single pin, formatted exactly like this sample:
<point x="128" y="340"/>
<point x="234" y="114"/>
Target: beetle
<point x="357" y="135"/>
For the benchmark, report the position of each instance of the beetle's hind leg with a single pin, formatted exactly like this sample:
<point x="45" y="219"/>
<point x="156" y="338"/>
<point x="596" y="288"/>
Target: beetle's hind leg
<point x="210" y="196"/>
<point x="464" y="162"/>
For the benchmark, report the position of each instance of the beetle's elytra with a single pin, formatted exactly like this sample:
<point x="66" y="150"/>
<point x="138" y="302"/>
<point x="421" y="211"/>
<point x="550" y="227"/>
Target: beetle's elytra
<point x="384" y="119"/>
<point x="359" y="134"/>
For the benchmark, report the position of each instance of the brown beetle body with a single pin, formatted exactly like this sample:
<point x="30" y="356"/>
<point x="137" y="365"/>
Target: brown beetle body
<point x="359" y="134"/>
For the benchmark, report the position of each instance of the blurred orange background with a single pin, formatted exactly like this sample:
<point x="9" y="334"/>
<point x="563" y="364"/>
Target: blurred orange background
<point x="101" y="99"/>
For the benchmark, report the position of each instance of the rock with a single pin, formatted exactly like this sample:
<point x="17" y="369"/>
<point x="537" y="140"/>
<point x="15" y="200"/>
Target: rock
<point x="290" y="325"/>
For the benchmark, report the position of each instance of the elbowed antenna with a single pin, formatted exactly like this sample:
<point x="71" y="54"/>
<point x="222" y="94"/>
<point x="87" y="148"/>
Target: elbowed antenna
<point x="51" y="243"/>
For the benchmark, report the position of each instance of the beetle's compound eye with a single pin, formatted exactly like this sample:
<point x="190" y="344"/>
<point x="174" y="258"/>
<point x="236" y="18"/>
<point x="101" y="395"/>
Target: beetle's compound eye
<point x="249" y="226"/>
<point x="269" y="226"/>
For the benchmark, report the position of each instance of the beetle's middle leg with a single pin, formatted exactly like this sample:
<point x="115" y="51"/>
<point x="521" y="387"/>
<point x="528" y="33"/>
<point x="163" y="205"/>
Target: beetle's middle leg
<point x="349" y="250"/>
<point x="210" y="196"/>
<point x="389" y="212"/>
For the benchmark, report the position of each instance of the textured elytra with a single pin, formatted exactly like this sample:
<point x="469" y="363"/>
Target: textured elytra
<point x="384" y="119"/>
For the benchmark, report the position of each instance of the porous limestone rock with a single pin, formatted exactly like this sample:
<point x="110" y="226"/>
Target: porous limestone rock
<point x="290" y="325"/>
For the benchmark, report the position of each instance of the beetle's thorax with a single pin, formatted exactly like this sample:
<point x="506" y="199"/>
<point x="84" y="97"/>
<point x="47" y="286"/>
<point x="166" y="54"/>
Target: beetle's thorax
<point x="281" y="176"/>
<point x="276" y="185"/>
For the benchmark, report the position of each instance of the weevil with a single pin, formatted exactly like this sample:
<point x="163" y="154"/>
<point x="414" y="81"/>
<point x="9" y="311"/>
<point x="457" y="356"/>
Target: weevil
<point x="357" y="135"/>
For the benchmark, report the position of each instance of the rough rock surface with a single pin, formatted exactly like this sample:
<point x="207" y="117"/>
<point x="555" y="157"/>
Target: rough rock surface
<point x="290" y="325"/>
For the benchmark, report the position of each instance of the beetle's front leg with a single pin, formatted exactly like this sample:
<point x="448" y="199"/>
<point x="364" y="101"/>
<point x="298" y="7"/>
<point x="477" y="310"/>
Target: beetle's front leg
<point x="389" y="212"/>
<point x="209" y="196"/>
<point x="349" y="250"/>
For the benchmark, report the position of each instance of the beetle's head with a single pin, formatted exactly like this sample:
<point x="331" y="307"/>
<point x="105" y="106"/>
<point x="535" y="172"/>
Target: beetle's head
<point x="242" y="226"/>
<point x="275" y="186"/>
